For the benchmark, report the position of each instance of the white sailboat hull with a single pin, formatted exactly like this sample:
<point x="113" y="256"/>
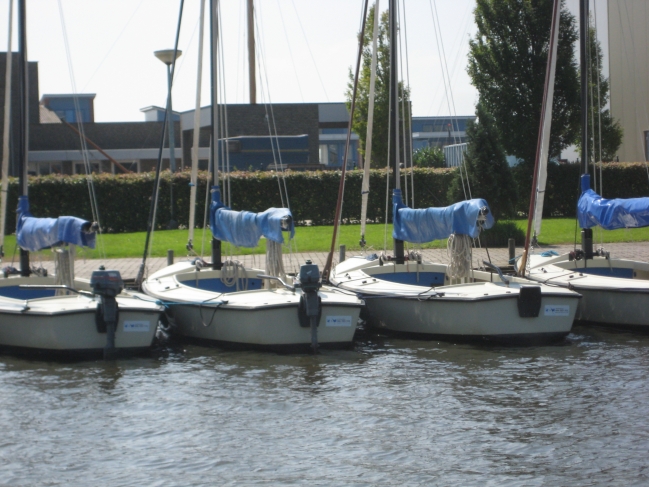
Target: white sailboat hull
<point x="68" y="323"/>
<point x="475" y="311"/>
<point x="257" y="318"/>
<point x="607" y="300"/>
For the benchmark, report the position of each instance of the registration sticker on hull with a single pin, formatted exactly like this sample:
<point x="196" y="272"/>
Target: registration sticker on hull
<point x="339" y="321"/>
<point x="142" y="326"/>
<point x="557" y="310"/>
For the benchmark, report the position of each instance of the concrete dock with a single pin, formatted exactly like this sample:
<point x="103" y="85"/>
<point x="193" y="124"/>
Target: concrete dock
<point x="499" y="256"/>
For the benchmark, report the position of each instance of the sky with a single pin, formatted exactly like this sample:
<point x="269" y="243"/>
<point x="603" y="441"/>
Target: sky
<point x="307" y="46"/>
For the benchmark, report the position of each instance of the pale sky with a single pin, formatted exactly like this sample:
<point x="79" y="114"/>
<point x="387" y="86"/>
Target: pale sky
<point x="308" y="47"/>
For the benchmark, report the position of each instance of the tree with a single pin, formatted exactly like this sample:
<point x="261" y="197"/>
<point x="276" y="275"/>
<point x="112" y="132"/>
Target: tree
<point x="507" y="64"/>
<point x="429" y="157"/>
<point x="611" y="130"/>
<point x="381" y="92"/>
<point x="486" y="165"/>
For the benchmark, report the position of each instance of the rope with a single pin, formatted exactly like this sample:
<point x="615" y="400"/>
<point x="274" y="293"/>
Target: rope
<point x="459" y="250"/>
<point x="233" y="273"/>
<point x="274" y="263"/>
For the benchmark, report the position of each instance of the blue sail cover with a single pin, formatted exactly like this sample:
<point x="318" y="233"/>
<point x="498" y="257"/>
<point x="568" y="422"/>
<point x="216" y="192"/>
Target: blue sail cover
<point x="244" y="228"/>
<point x="428" y="224"/>
<point x="593" y="210"/>
<point x="35" y="234"/>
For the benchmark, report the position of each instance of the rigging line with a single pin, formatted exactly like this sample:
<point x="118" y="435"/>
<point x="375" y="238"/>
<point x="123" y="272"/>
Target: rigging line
<point x="5" y="133"/>
<point x="403" y="101"/>
<point x="272" y="117"/>
<point x="306" y="41"/>
<point x="599" y="107"/>
<point x="89" y="180"/>
<point x="457" y="45"/>
<point x="239" y="56"/>
<point x="409" y="108"/>
<point x="450" y="98"/>
<point x="207" y="197"/>
<point x="438" y="41"/>
<point x="290" y="51"/>
<point x="113" y="45"/>
<point x="224" y="122"/>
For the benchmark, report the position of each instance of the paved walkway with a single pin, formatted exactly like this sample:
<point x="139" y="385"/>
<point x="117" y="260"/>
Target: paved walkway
<point x="499" y="256"/>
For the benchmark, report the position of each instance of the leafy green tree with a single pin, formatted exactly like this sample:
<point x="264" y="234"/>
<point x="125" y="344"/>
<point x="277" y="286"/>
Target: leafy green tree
<point x="381" y="90"/>
<point x="485" y="165"/>
<point x="507" y="64"/>
<point x="429" y="157"/>
<point x="610" y="129"/>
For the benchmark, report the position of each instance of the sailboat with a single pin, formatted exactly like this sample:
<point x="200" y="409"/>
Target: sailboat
<point x="615" y="291"/>
<point x="43" y="314"/>
<point x="231" y="305"/>
<point x="450" y="302"/>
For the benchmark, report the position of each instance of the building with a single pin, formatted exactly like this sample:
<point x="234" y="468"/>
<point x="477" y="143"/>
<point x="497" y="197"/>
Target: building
<point x="629" y="75"/>
<point x="439" y="131"/>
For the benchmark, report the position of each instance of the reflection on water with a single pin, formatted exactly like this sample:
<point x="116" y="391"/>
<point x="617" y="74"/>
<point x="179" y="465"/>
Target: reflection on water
<point x="392" y="411"/>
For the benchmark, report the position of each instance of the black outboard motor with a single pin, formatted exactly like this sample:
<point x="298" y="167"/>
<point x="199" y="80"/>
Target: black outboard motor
<point x="107" y="285"/>
<point x="310" y="307"/>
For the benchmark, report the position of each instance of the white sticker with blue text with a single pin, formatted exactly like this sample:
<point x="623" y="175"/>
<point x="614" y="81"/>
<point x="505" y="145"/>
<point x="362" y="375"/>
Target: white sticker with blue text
<point x="339" y="321"/>
<point x="136" y="326"/>
<point x="557" y="310"/>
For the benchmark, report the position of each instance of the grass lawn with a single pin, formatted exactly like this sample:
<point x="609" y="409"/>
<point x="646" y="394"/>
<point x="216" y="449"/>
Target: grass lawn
<point x="314" y="239"/>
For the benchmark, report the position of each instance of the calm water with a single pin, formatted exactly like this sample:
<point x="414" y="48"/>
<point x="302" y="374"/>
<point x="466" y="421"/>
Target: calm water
<point x="391" y="412"/>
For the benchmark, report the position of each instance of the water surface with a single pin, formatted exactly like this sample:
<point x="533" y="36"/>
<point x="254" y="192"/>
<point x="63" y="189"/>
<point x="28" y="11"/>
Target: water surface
<point x="389" y="412"/>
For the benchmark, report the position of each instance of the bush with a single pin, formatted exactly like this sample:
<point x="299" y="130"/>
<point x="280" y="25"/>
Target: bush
<point x="429" y="157"/>
<point x="500" y="233"/>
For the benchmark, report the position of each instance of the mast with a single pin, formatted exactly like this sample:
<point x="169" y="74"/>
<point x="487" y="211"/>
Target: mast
<point x="394" y="116"/>
<point x="216" y="191"/>
<point x="5" y="136"/>
<point x="365" y="188"/>
<point x="197" y="130"/>
<point x="586" y="233"/>
<point x="341" y="186"/>
<point x="23" y="117"/>
<point x="251" y="53"/>
<point x="543" y="142"/>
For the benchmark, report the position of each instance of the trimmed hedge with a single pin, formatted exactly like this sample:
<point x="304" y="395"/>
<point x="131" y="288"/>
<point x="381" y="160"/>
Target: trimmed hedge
<point x="124" y="199"/>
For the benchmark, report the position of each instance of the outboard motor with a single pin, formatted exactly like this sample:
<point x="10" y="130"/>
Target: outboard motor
<point x="107" y="285"/>
<point x="310" y="309"/>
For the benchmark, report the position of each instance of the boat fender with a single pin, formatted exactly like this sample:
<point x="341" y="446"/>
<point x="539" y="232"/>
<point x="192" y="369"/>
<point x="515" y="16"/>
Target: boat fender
<point x="529" y="301"/>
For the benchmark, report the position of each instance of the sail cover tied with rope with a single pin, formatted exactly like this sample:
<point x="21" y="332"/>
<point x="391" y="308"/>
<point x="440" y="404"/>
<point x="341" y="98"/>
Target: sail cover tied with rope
<point x="428" y="224"/>
<point x="245" y="228"/>
<point x="593" y="210"/>
<point x="35" y="234"/>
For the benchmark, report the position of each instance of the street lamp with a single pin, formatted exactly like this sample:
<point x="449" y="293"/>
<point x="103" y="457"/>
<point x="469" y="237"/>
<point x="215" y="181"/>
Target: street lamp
<point x="168" y="56"/>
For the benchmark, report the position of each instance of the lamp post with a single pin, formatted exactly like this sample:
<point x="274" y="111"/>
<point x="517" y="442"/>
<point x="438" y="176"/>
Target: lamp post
<point x="168" y="56"/>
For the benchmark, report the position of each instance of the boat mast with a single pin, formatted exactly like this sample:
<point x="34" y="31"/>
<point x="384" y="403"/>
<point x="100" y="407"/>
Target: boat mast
<point x="341" y="186"/>
<point x="586" y="233"/>
<point x="216" y="190"/>
<point x="543" y="141"/>
<point x="251" y="53"/>
<point x="365" y="188"/>
<point x="5" y="135"/>
<point x="197" y="130"/>
<point x="23" y="117"/>
<point x="394" y="117"/>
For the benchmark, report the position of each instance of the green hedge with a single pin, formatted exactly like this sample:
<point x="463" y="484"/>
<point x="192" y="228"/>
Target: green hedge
<point x="124" y="199"/>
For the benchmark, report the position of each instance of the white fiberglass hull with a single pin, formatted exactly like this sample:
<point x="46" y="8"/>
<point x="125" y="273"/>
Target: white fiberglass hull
<point x="68" y="323"/>
<point x="619" y="299"/>
<point x="257" y="318"/>
<point x="475" y="311"/>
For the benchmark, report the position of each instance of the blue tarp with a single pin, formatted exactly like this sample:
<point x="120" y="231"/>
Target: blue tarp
<point x="428" y="224"/>
<point x="593" y="210"/>
<point x="41" y="233"/>
<point x="244" y="228"/>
